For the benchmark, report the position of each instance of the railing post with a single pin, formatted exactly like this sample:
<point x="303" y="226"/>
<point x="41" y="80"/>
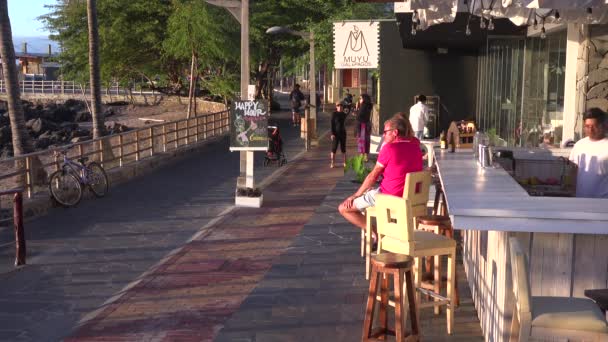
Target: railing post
<point x="20" y="250"/>
<point x="80" y="151"/>
<point x="151" y="141"/>
<point x="101" y="151"/>
<point x="28" y="176"/>
<point x="176" y="135"/>
<point x="137" y="145"/>
<point x="205" y="118"/>
<point x="164" y="138"/>
<point x="197" y="129"/>
<point x="120" y="151"/>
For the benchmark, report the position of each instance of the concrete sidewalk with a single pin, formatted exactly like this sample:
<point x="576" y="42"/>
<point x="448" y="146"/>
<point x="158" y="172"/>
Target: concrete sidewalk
<point x="191" y="294"/>
<point x="290" y="271"/>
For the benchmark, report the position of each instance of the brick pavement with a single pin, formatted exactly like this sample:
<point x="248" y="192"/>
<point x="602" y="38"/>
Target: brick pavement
<point x="194" y="291"/>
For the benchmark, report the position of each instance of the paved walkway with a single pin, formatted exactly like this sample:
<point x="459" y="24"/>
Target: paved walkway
<point x="289" y="271"/>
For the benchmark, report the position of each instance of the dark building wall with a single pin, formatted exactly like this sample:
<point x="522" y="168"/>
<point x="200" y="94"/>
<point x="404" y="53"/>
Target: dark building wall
<point x="407" y="72"/>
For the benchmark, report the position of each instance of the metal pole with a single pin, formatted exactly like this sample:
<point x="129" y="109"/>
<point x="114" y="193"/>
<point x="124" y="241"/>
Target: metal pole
<point x="241" y="180"/>
<point x="19" y="232"/>
<point x="312" y="124"/>
<point x="281" y="74"/>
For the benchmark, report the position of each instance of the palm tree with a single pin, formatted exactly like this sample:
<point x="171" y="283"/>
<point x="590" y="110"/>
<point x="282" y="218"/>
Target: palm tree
<point x="22" y="143"/>
<point x="98" y="119"/>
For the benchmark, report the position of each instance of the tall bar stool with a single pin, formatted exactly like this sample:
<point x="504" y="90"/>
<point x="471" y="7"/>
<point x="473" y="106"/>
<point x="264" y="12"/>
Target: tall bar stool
<point x="439" y="223"/>
<point x="400" y="267"/>
<point x="396" y="234"/>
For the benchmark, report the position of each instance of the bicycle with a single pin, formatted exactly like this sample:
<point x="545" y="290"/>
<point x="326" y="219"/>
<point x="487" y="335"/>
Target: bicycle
<point x="66" y="184"/>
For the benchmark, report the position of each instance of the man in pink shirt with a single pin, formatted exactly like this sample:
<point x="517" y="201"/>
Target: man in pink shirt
<point x="400" y="154"/>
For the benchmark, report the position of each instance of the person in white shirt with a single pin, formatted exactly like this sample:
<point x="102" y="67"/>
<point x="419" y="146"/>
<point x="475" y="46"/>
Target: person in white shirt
<point x="419" y="115"/>
<point x="590" y="155"/>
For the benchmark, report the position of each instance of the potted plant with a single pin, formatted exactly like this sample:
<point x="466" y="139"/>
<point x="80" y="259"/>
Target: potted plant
<point x="248" y="197"/>
<point x="358" y="166"/>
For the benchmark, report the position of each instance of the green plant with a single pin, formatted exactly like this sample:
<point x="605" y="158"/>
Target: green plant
<point x="357" y="164"/>
<point x="492" y="136"/>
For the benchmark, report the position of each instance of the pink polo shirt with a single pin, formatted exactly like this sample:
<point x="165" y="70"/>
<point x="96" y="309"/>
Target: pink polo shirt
<point x="398" y="159"/>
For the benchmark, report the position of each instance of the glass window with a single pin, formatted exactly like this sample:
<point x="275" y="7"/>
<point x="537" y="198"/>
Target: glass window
<point x="521" y="89"/>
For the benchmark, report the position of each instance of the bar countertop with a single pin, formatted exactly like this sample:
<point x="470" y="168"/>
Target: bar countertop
<point x="490" y="199"/>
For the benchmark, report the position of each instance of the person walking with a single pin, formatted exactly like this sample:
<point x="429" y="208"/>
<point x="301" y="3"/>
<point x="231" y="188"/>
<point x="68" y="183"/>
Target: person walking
<point x="419" y="115"/>
<point x="296" y="97"/>
<point x="363" y="130"/>
<point x="338" y="134"/>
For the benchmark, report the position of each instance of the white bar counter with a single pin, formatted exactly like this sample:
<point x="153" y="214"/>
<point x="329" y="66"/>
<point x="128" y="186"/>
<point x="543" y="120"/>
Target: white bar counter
<point x="565" y="238"/>
<point x="490" y="199"/>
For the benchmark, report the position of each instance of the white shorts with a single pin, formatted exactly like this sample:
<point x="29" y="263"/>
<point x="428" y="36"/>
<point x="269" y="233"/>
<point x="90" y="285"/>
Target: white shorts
<point x="368" y="199"/>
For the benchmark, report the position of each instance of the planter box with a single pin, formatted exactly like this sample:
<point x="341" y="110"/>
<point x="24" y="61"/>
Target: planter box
<point x="251" y="202"/>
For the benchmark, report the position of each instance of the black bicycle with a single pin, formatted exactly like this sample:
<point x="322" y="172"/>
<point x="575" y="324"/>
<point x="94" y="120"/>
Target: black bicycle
<point x="66" y="184"/>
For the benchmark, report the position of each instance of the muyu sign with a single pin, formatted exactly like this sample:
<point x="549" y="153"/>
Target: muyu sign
<point x="249" y="129"/>
<point x="356" y="45"/>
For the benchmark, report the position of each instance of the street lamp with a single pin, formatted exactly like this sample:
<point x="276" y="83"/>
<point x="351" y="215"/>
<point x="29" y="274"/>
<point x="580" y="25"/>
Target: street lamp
<point x="311" y="125"/>
<point x="240" y="11"/>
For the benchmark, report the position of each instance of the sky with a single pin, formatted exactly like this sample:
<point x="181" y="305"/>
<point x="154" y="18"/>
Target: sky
<point x="23" y="14"/>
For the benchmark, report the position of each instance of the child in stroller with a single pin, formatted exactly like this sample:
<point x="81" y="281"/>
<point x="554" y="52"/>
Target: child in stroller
<point x="275" y="148"/>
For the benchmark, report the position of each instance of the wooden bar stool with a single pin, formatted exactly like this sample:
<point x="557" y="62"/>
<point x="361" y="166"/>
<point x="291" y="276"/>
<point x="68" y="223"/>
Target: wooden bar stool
<point x="441" y="225"/>
<point x="397" y="265"/>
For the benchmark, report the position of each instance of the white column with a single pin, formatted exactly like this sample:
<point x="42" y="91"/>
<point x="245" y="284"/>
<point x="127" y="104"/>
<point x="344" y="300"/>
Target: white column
<point x="575" y="70"/>
<point x="244" y="157"/>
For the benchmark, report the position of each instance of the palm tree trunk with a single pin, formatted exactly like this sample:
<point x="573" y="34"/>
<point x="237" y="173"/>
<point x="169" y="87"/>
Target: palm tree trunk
<point x="99" y="128"/>
<point x="22" y="143"/>
<point x="98" y="120"/>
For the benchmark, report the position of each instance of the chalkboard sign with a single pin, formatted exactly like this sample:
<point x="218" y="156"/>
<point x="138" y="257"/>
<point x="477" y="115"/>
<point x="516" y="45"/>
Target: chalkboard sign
<point x="249" y="129"/>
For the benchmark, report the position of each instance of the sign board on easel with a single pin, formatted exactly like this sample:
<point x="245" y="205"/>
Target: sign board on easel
<point x="249" y="129"/>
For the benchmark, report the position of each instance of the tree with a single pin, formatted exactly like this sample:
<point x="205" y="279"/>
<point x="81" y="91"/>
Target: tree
<point x="198" y="32"/>
<point x="99" y="128"/>
<point x="22" y="143"/>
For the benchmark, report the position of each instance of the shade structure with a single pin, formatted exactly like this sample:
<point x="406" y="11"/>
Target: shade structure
<point x="520" y="12"/>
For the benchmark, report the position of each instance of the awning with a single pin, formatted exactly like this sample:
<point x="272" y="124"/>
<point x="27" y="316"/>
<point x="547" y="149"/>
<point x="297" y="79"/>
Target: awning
<point x="520" y="12"/>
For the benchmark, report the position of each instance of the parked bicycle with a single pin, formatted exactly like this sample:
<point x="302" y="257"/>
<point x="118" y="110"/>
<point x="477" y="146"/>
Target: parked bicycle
<point x="66" y="184"/>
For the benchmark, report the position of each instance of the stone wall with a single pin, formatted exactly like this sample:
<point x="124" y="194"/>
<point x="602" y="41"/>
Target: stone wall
<point x="597" y="71"/>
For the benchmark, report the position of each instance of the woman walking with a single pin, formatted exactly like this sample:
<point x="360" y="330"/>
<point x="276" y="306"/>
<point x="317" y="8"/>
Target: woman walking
<point x="363" y="129"/>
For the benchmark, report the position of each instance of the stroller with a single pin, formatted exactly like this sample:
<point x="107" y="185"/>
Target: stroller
<point x="275" y="148"/>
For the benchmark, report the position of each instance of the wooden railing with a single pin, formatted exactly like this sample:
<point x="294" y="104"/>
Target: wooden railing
<point x="71" y="87"/>
<point x="126" y="148"/>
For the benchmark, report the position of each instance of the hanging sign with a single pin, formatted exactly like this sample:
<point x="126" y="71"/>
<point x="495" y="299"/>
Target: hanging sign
<point x="356" y="45"/>
<point x="249" y="129"/>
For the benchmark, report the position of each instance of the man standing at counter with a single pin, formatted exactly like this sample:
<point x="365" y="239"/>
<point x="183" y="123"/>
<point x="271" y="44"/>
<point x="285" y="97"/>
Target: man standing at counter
<point x="590" y="155"/>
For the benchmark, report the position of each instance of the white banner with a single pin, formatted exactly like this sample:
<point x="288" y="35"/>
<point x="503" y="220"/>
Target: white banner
<point x="356" y="45"/>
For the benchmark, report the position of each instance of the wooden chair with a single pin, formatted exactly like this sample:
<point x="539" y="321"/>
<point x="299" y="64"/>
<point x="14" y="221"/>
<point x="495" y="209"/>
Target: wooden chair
<point x="416" y="190"/>
<point x="396" y="234"/>
<point x="550" y="317"/>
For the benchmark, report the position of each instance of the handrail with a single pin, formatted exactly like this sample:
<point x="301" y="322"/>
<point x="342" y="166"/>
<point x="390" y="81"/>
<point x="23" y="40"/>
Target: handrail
<point x="127" y="147"/>
<point x="20" y="250"/>
<point x="71" y="87"/>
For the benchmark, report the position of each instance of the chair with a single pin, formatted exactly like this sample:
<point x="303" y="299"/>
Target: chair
<point x="400" y="267"/>
<point x="396" y="234"/>
<point x="416" y="190"/>
<point x="550" y="317"/>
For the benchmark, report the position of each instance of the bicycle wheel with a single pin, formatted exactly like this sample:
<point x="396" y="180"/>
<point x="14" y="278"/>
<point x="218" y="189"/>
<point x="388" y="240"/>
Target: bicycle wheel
<point x="97" y="179"/>
<point x="65" y="188"/>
